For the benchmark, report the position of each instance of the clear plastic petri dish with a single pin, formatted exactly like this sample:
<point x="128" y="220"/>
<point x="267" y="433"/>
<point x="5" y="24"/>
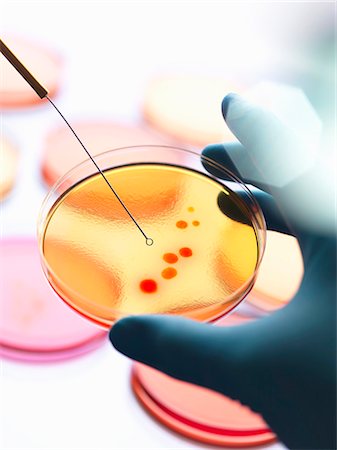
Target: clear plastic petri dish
<point x="34" y="324"/>
<point x="196" y="412"/>
<point x="208" y="236"/>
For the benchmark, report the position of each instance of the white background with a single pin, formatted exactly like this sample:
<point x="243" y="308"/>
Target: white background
<point x="111" y="50"/>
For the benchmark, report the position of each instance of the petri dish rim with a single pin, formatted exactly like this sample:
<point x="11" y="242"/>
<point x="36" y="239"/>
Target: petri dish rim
<point x="86" y="169"/>
<point x="190" y="428"/>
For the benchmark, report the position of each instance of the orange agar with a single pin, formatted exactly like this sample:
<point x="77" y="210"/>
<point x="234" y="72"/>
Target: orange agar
<point x="168" y="273"/>
<point x="190" y="209"/>
<point x="148" y="286"/>
<point x="196" y="223"/>
<point x="181" y="224"/>
<point x="170" y="258"/>
<point x="185" y="251"/>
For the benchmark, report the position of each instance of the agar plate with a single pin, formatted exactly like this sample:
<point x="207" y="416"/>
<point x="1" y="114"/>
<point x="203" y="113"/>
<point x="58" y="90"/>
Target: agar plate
<point x="208" y="240"/>
<point x="34" y="324"/>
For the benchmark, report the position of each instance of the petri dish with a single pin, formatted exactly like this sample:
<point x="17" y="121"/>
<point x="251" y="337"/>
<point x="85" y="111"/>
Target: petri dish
<point x="203" y="262"/>
<point x="34" y="324"/>
<point x="196" y="412"/>
<point x="43" y="62"/>
<point x="62" y="152"/>
<point x="280" y="273"/>
<point x="9" y="159"/>
<point x="187" y="107"/>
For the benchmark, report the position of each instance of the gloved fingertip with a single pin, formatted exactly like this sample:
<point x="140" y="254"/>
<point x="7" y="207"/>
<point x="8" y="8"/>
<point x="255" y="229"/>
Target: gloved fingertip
<point x="220" y="154"/>
<point x="210" y="149"/>
<point x="226" y="102"/>
<point x="123" y="334"/>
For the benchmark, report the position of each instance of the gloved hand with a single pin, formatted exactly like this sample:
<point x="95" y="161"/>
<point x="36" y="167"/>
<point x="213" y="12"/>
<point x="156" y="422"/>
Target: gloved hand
<point x="282" y="366"/>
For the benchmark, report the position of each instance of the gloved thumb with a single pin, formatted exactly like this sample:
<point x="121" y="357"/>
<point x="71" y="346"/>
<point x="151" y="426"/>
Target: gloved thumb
<point x="198" y="353"/>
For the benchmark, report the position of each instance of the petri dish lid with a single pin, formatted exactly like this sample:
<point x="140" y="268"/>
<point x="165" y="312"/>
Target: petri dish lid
<point x="34" y="324"/>
<point x="43" y="62"/>
<point x="62" y="152"/>
<point x="197" y="412"/>
<point x="187" y="107"/>
<point x="9" y="158"/>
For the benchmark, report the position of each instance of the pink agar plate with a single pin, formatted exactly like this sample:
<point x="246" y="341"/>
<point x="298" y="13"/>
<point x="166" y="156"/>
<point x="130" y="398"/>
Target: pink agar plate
<point x="34" y="324"/>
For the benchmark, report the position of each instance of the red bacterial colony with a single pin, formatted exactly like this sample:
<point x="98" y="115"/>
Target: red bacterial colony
<point x="181" y="224"/>
<point x="170" y="258"/>
<point x="168" y="273"/>
<point x="185" y="252"/>
<point x="148" y="286"/>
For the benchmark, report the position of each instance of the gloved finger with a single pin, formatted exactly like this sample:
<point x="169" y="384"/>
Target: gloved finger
<point x="221" y="154"/>
<point x="280" y="161"/>
<point x="273" y="153"/>
<point x="274" y="219"/>
<point x="232" y="156"/>
<point x="194" y="352"/>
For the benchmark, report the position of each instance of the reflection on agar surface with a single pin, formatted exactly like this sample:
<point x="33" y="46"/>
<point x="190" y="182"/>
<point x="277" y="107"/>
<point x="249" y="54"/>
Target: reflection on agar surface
<point x="9" y="158"/>
<point x="97" y="261"/>
<point x="188" y="107"/>
<point x="197" y="412"/>
<point x="34" y="324"/>
<point x="62" y="152"/>
<point x="44" y="63"/>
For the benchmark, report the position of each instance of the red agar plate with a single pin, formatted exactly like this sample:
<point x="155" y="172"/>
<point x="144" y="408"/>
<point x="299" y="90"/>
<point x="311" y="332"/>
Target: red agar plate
<point x="43" y="62"/>
<point x="197" y="412"/>
<point x="34" y="324"/>
<point x="62" y="152"/>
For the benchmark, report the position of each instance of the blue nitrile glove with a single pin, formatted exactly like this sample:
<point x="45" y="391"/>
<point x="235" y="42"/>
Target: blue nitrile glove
<point x="284" y="365"/>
